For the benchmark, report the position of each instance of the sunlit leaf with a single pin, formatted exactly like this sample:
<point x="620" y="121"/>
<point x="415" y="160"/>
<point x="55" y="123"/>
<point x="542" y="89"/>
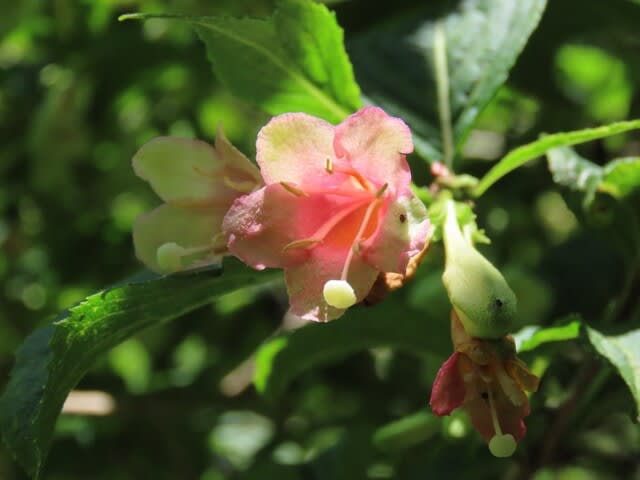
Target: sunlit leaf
<point x="621" y="177"/>
<point x="521" y="155"/>
<point x="294" y="61"/>
<point x="531" y="338"/>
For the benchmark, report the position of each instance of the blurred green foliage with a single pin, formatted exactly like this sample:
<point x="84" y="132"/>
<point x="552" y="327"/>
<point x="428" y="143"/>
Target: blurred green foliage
<point x="80" y="92"/>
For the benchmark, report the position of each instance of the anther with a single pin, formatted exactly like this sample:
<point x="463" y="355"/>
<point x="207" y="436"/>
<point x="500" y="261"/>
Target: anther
<point x="242" y="187"/>
<point x="304" y="243"/>
<point x="380" y="192"/>
<point x="328" y="165"/>
<point x="293" y="190"/>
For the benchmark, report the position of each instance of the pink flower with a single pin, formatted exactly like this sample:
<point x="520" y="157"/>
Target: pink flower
<point x="198" y="183"/>
<point x="488" y="380"/>
<point x="336" y="210"/>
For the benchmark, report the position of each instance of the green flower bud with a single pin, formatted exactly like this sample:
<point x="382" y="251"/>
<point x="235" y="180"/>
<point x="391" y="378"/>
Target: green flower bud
<point x="479" y="293"/>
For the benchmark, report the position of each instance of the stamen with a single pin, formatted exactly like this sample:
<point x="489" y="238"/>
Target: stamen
<point x="199" y="171"/>
<point x="339" y="293"/>
<point x="357" y="176"/>
<point x="199" y="203"/>
<point x="380" y="192"/>
<point x="501" y="445"/>
<point x="328" y="165"/>
<point x="304" y="243"/>
<point x="494" y="415"/>
<point x="293" y="190"/>
<point x="169" y="255"/>
<point x="243" y="187"/>
<point x="356" y="240"/>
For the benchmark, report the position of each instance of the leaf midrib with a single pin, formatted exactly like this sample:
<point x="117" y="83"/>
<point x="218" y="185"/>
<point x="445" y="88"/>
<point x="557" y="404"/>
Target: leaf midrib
<point x="310" y="87"/>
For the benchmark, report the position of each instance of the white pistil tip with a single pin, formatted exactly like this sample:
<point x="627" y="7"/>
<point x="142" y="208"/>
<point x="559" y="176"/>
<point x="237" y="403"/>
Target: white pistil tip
<point x="169" y="256"/>
<point x="502" y="446"/>
<point x="339" y="294"/>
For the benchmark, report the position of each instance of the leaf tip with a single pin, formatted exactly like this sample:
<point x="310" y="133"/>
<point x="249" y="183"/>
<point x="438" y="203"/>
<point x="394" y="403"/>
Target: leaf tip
<point x="130" y="16"/>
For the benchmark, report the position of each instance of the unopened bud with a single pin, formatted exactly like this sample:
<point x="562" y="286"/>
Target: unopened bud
<point x="480" y="295"/>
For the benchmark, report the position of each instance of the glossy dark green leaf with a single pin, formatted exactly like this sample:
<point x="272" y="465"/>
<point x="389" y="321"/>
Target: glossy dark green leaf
<point x="53" y="359"/>
<point x="283" y="358"/>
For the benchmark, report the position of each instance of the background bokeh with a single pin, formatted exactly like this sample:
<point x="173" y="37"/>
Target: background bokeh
<point x="80" y="92"/>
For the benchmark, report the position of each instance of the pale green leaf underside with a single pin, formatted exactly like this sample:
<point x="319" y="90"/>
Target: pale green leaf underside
<point x="621" y="177"/>
<point x="394" y="62"/>
<point x="623" y="351"/>
<point x="53" y="359"/>
<point x="521" y="155"/>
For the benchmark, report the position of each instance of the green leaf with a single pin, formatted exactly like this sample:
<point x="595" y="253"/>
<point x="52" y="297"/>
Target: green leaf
<point x="621" y="177"/>
<point x="483" y="39"/>
<point x="294" y="61"/>
<point x="624" y="354"/>
<point x="53" y="359"/>
<point x="407" y="431"/>
<point x="311" y="35"/>
<point x="530" y="338"/>
<point x="283" y="358"/>
<point x="521" y="155"/>
<point x="573" y="171"/>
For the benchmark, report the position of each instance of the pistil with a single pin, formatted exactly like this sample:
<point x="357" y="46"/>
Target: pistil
<point x="501" y="445"/>
<point x="340" y="293"/>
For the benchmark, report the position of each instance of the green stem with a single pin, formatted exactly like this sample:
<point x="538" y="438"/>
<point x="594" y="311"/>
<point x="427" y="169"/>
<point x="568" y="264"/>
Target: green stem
<point x="442" y="86"/>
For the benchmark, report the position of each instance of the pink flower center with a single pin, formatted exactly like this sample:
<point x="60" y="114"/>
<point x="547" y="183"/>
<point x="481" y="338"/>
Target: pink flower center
<point x="356" y="221"/>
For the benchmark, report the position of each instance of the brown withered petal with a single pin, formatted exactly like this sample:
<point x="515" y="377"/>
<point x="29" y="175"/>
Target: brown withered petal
<point x="388" y="281"/>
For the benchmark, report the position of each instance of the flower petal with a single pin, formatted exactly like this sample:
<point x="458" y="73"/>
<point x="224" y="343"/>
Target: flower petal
<point x="510" y="417"/>
<point x="259" y="226"/>
<point x="293" y="147"/>
<point x="187" y="227"/>
<point x="179" y="171"/>
<point x="235" y="160"/>
<point x="305" y="283"/>
<point x="448" y="389"/>
<point x="376" y="144"/>
<point x="401" y="234"/>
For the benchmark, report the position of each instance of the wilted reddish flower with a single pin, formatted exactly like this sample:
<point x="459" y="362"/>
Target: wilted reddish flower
<point x="488" y="380"/>
<point x="336" y="209"/>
